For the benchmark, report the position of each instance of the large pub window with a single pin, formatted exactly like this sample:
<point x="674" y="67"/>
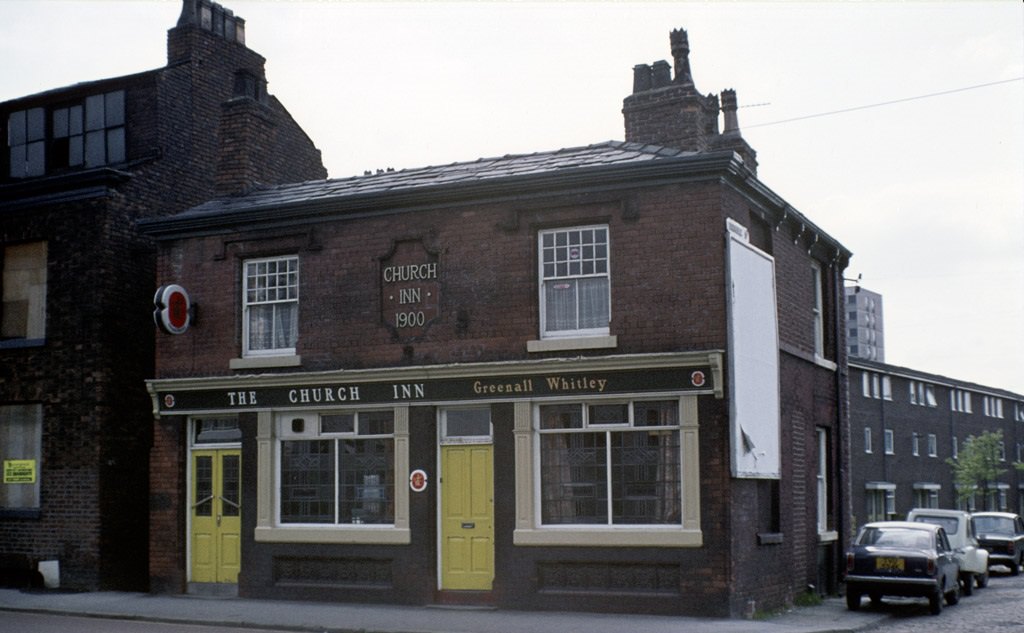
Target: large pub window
<point x="614" y="463"/>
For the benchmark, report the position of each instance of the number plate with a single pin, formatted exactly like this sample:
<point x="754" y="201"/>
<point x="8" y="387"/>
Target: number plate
<point x="885" y="563"/>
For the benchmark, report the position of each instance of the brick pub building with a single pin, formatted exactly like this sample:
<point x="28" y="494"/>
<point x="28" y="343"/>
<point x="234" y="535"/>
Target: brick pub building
<point x="81" y="166"/>
<point x="602" y="378"/>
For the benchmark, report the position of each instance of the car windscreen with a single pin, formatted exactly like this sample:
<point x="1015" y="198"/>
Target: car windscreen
<point x="950" y="524"/>
<point x="992" y="525"/>
<point x="896" y="537"/>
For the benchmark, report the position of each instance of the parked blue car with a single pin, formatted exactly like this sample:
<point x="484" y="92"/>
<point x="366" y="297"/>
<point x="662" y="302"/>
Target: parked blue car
<point x="900" y="558"/>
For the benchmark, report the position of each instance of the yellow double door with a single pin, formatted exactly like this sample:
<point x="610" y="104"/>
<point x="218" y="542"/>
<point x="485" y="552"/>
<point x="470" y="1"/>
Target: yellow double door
<point x="216" y="515"/>
<point x="467" y="517"/>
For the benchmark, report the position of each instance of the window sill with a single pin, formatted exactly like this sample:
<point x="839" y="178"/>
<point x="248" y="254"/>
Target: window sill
<point x="770" y="538"/>
<point x="263" y="362"/>
<point x="563" y="344"/>
<point x="824" y="362"/>
<point x="610" y="537"/>
<point x="828" y="537"/>
<point x="19" y="343"/>
<point x="21" y="513"/>
<point x="384" y="535"/>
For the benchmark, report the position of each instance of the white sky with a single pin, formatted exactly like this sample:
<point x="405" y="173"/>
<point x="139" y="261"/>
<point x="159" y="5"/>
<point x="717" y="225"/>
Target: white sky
<point x="928" y="193"/>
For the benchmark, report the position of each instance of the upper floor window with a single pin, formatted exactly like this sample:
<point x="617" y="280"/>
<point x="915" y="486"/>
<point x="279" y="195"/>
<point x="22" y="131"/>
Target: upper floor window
<point x="575" y="294"/>
<point x="876" y="385"/>
<point x="867" y="439"/>
<point x="933" y="445"/>
<point x="85" y="133"/>
<point x="23" y="285"/>
<point x="993" y="406"/>
<point x="271" y="306"/>
<point x="960" y="400"/>
<point x="818" y="311"/>
<point x="922" y="394"/>
<point x="890" y="442"/>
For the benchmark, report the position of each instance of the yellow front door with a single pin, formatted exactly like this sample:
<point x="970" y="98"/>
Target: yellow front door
<point x="467" y="511"/>
<point x="216" y="515"/>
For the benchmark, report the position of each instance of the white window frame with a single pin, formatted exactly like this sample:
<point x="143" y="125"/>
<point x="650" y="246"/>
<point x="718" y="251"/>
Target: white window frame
<point x="247" y="351"/>
<point x="545" y="280"/>
<point x="890" y="442"/>
<point x="915" y="445"/>
<point x="529" y="530"/>
<point x="867" y="439"/>
<point x="933" y="445"/>
<point x="822" y="481"/>
<point x="818" y="310"/>
<point x="271" y="432"/>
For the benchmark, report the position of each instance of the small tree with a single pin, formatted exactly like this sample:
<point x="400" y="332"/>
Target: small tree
<point x="979" y="465"/>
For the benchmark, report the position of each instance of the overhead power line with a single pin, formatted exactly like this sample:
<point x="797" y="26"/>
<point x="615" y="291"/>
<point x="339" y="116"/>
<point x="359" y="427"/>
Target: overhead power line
<point x="885" y="103"/>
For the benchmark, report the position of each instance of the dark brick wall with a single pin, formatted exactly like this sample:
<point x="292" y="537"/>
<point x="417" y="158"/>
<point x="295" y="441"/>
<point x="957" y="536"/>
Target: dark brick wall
<point x="89" y="375"/>
<point x="903" y="468"/>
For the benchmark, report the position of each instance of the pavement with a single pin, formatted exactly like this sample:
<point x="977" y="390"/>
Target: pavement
<point x="829" y="617"/>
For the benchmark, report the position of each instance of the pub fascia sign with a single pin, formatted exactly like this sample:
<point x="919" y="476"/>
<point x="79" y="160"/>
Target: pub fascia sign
<point x="541" y="385"/>
<point x="410" y="289"/>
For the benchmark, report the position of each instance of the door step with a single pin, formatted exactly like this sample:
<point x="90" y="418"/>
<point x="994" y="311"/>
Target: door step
<point x="212" y="589"/>
<point x="465" y="599"/>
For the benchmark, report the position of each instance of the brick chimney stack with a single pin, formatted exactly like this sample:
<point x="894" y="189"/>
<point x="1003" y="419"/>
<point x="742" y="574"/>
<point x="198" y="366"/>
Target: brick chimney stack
<point x="241" y="135"/>
<point x="730" y="138"/>
<point x="669" y="111"/>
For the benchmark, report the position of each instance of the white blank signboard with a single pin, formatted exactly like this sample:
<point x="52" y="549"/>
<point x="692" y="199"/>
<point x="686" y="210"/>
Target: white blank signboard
<point x="753" y="361"/>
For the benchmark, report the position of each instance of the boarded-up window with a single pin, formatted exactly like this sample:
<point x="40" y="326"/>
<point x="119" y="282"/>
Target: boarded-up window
<point x="21" y="428"/>
<point x="23" y="312"/>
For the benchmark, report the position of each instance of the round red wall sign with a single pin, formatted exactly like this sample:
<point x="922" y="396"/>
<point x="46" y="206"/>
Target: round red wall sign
<point x="173" y="312"/>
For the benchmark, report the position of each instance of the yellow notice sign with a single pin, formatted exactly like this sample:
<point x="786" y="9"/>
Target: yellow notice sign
<point x="19" y="471"/>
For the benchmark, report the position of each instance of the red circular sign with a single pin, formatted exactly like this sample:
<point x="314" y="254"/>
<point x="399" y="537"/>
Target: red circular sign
<point x="173" y="312"/>
<point x="697" y="378"/>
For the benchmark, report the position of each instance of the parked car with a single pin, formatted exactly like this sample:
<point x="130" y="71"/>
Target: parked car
<point x="959" y="529"/>
<point x="1002" y="534"/>
<point x="902" y="558"/>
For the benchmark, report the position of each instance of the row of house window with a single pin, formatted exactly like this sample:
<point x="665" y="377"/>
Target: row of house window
<point x="880" y="499"/>
<point x="879" y="386"/>
<point x="931" y="445"/>
<point x="89" y="132"/>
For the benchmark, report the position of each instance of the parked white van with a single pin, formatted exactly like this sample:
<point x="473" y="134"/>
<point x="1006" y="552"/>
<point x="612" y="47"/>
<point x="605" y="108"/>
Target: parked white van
<point x="973" y="559"/>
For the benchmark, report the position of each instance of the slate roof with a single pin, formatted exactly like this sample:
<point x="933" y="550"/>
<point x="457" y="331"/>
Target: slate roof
<point x="609" y="153"/>
<point x="606" y="165"/>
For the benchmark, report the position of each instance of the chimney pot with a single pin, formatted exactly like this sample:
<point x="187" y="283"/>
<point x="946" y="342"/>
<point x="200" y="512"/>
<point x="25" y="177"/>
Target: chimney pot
<point x="731" y="123"/>
<point x="661" y="74"/>
<point x="681" y="56"/>
<point x="641" y="78"/>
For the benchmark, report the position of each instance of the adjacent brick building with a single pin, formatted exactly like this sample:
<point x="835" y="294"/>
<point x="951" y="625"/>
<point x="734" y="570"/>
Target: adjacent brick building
<point x="905" y="424"/>
<point x="81" y="166"/>
<point x="608" y="377"/>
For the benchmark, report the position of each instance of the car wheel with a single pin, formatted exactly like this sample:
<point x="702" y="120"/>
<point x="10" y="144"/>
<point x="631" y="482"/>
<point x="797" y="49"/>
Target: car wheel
<point x="967" y="584"/>
<point x="852" y="600"/>
<point x="1015" y="568"/>
<point x="876" y="599"/>
<point x="935" y="602"/>
<point x="982" y="580"/>
<point x="953" y="596"/>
